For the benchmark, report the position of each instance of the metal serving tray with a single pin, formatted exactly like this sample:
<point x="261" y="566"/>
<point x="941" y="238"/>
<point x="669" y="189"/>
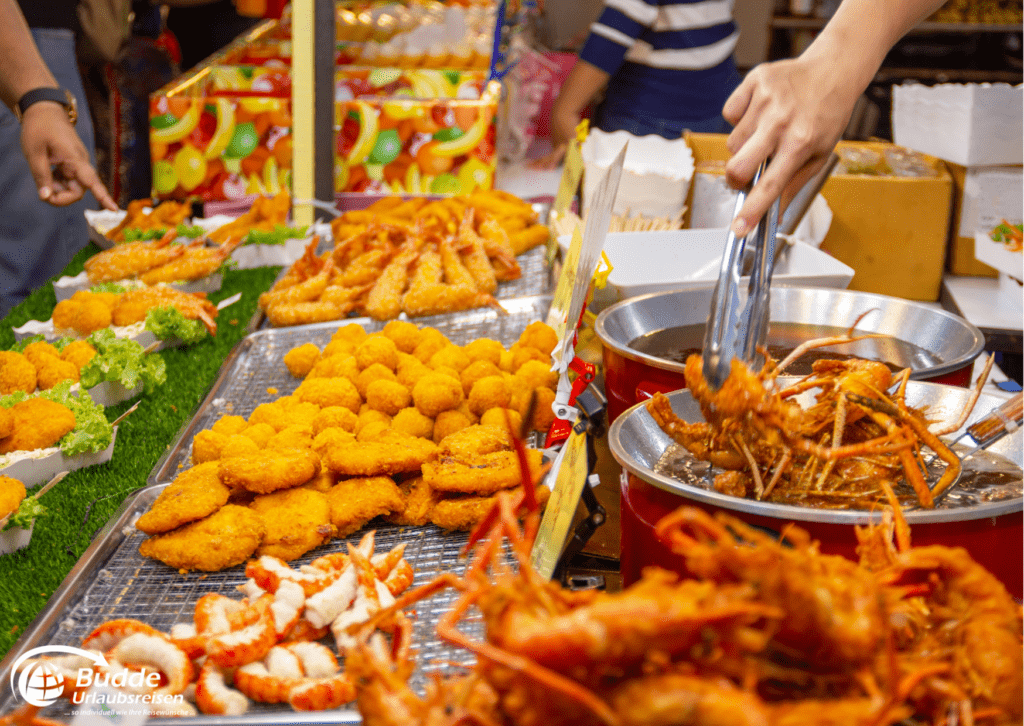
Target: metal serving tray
<point x="255" y="366"/>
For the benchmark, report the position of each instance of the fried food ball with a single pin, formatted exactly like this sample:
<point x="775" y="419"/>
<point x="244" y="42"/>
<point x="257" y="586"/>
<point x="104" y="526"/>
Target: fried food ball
<point x="353" y="333"/>
<point x="259" y="433"/>
<point x="377" y="348"/>
<point x="267" y="471"/>
<point x="448" y="371"/>
<point x="410" y="370"/>
<point x="297" y="520"/>
<point x="539" y="335"/>
<point x="537" y="374"/>
<point x="65" y="313"/>
<point x="373" y="372"/>
<point x="6" y="422"/>
<point x="485" y="349"/>
<point x="206" y="446"/>
<point x="411" y="421"/>
<point x="523" y="354"/>
<point x="354" y="502"/>
<point x="336" y="366"/>
<point x="468" y="413"/>
<point x="39" y="351"/>
<point x="391" y="453"/>
<point x="302" y="413"/>
<point x="326" y="392"/>
<point x="419" y="500"/>
<point x="451" y="356"/>
<point x="436" y="393"/>
<point x="12" y="492"/>
<point x="273" y="414"/>
<point x="371" y="416"/>
<point x="238" y="445"/>
<point x="229" y="425"/>
<point x="543" y="414"/>
<point x="488" y="393"/>
<point x="78" y="354"/>
<point x="226" y="538"/>
<point x="338" y="349"/>
<point x="91" y="315"/>
<point x="300" y="360"/>
<point x="332" y="438"/>
<point x="293" y="437"/>
<point x="16" y="373"/>
<point x="405" y="335"/>
<point x="497" y="417"/>
<point x="334" y="417"/>
<point x="38" y="424"/>
<point x="52" y="371"/>
<point x="475" y="371"/>
<point x="194" y="494"/>
<point x="432" y="341"/>
<point x="389" y="397"/>
<point x="449" y="422"/>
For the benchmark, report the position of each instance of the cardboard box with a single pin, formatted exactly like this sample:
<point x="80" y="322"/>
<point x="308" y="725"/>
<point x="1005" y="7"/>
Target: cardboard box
<point x="891" y="230"/>
<point x="980" y="193"/>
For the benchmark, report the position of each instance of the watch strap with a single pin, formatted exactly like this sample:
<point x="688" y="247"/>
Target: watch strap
<point x="57" y="95"/>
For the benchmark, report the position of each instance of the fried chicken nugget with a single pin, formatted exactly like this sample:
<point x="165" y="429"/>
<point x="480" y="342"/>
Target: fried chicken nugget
<point x="51" y="371"/>
<point x="238" y="445"/>
<point x="405" y="335"/>
<point x="324" y="392"/>
<point x="6" y="422"/>
<point x="207" y="446"/>
<point x="411" y="421"/>
<point x="354" y="502"/>
<point x="388" y="397"/>
<point x="487" y="393"/>
<point x="297" y="520"/>
<point x="293" y="437"/>
<point x="78" y="353"/>
<point x="229" y="425"/>
<point x="353" y="333"/>
<point x="371" y="417"/>
<point x="485" y="349"/>
<point x="226" y="538"/>
<point x="437" y="392"/>
<point x="502" y="417"/>
<point x="474" y="441"/>
<point x="419" y="501"/>
<point x="12" y="492"/>
<point x="464" y="513"/>
<point x="370" y="374"/>
<point x="410" y="370"/>
<point x="448" y="423"/>
<point x="331" y="438"/>
<point x="539" y="335"/>
<point x="300" y="360"/>
<point x="485" y="474"/>
<point x="259" y="433"/>
<point x="38" y="424"/>
<point x="377" y="348"/>
<point x="475" y="371"/>
<point x="268" y="471"/>
<point x="336" y="366"/>
<point x="391" y="453"/>
<point x="537" y="374"/>
<point x="334" y="417"/>
<point x="194" y="494"/>
<point x="339" y="349"/>
<point x="16" y="373"/>
<point x="451" y="356"/>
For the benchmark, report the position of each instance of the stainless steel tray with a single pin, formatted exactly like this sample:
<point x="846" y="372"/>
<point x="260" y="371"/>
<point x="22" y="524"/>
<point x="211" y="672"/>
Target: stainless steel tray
<point x="256" y="365"/>
<point x="112" y="580"/>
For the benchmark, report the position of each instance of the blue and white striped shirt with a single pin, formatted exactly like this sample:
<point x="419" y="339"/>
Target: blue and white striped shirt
<point x="669" y="59"/>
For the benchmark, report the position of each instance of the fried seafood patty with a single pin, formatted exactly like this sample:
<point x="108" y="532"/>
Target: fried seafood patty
<point x="297" y="520"/>
<point x="419" y="501"/>
<point x="483" y="474"/>
<point x="38" y="424"/>
<point x="465" y="512"/>
<point x="12" y="492"/>
<point x="269" y="470"/>
<point x="391" y="453"/>
<point x="226" y="538"/>
<point x="354" y="502"/>
<point x="194" y="494"/>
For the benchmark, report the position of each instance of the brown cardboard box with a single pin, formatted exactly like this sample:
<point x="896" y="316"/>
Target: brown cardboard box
<point x="891" y="230"/>
<point x="960" y="259"/>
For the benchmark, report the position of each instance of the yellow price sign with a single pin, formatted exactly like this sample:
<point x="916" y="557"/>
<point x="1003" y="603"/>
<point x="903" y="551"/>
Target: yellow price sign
<point x="562" y="300"/>
<point x="570" y="479"/>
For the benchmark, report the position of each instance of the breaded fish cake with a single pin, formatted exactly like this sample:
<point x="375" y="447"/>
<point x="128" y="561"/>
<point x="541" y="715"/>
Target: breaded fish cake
<point x="268" y="471"/>
<point x="474" y="441"/>
<point x="195" y="493"/>
<point x="354" y="502"/>
<point x="16" y="373"/>
<point x="12" y="492"/>
<point x="38" y="424"/>
<point x="419" y="499"/>
<point x="484" y="474"/>
<point x="226" y="538"/>
<point x="6" y="422"/>
<point x="297" y="520"/>
<point x="464" y="512"/>
<point x="392" y="453"/>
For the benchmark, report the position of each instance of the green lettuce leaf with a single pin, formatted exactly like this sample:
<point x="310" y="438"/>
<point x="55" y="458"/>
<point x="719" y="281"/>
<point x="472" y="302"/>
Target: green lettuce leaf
<point x="166" y="323"/>
<point x="28" y="511"/>
<point x="60" y="344"/>
<point x="123" y="361"/>
<point x="190" y="231"/>
<point x="276" y="236"/>
<point x="108" y="287"/>
<point x="134" y="234"/>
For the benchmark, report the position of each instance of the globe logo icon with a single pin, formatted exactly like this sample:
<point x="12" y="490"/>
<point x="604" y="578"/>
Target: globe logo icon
<point x="41" y="684"/>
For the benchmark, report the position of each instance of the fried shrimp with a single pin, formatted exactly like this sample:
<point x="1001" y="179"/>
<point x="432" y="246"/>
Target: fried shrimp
<point x="226" y="538"/>
<point x="268" y="471"/>
<point x="194" y="494"/>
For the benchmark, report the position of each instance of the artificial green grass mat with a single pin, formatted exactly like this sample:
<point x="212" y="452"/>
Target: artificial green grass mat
<point x="79" y="505"/>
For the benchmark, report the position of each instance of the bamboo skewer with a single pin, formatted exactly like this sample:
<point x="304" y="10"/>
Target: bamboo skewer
<point x="46" y="487"/>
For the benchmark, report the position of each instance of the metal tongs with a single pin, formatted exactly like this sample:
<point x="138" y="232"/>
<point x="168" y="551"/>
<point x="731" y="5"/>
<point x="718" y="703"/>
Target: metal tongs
<point x="738" y="323"/>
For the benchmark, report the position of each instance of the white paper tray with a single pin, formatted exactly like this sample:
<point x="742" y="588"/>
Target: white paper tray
<point x="36" y="471"/>
<point x="65" y="287"/>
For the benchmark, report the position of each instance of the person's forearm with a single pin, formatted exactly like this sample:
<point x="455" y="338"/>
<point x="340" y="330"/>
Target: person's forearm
<point x="21" y="67"/>
<point x="581" y="86"/>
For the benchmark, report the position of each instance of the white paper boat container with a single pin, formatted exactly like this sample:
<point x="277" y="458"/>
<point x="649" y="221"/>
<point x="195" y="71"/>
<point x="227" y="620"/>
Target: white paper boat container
<point x="688" y="259"/>
<point x="967" y="123"/>
<point x="15" y="538"/>
<point x="32" y="470"/>
<point x="135" y="332"/>
<point x="995" y="254"/>
<point x="111" y="393"/>
<point x="65" y="287"/>
<point x="656" y="173"/>
<point x="249" y="256"/>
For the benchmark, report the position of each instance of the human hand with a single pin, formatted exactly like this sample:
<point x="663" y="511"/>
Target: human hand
<point x="550" y="160"/>
<point x="57" y="157"/>
<point x="793" y="111"/>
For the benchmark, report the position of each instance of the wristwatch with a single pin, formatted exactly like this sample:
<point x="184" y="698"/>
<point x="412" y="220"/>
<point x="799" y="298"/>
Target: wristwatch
<point x="58" y="95"/>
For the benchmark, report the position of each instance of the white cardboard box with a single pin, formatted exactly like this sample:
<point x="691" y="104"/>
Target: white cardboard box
<point x="971" y="124"/>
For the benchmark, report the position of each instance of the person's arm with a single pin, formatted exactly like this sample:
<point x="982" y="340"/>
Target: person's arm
<point x="56" y="156"/>
<point x="795" y="110"/>
<point x="580" y="87"/>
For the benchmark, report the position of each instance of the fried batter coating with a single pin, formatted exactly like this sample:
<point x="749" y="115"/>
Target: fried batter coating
<point x="322" y="482"/>
<point x="293" y="437"/>
<point x="369" y="417"/>
<point x="543" y="414"/>
<point x="539" y="335"/>
<point x="195" y="493"/>
<point x="238" y="445"/>
<point x="389" y="397"/>
<point x="484" y="349"/>
<point x="488" y="393"/>
<point x="16" y="373"/>
<point x="301" y="359"/>
<point x="354" y="502"/>
<point x="485" y="474"/>
<point x="433" y="341"/>
<point x="420" y="500"/>
<point x="339" y="349"/>
<point x="503" y="418"/>
<point x="226" y="538"/>
<point x="411" y="421"/>
<point x="437" y="392"/>
<point x="332" y="417"/>
<point x="78" y="354"/>
<point x="229" y="425"/>
<point x="475" y="371"/>
<point x="405" y="335"/>
<point x="6" y="422"/>
<point x="353" y="333"/>
<point x="84" y="315"/>
<point x="259" y="433"/>
<point x="297" y="520"/>
<point x="38" y="352"/>
<point x="522" y="354"/>
<point x="537" y="374"/>
<point x="206" y="446"/>
<point x="332" y="438"/>
<point x="392" y="453"/>
<point x="373" y="372"/>
<point x="336" y="366"/>
<point x="475" y="440"/>
<point x="377" y="348"/>
<point x="52" y="371"/>
<point x="38" y="424"/>
<point x="465" y="512"/>
<point x="12" y="492"/>
<point x="448" y="423"/>
<point x="325" y="392"/>
<point x="410" y="370"/>
<point x="451" y="356"/>
<point x="268" y="471"/>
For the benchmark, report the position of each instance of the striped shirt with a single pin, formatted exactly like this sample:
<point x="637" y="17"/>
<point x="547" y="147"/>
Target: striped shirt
<point x="670" y="59"/>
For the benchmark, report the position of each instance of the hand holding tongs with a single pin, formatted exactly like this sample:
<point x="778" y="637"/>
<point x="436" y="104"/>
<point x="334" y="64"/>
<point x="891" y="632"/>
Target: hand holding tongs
<point x="738" y="323"/>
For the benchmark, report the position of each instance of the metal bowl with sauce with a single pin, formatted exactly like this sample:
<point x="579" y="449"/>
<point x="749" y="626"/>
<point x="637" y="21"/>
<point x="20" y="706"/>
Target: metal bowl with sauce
<point x="646" y="339"/>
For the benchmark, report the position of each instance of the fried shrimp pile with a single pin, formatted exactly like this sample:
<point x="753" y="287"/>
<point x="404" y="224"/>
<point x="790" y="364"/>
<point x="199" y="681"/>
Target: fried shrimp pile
<point x="140" y="216"/>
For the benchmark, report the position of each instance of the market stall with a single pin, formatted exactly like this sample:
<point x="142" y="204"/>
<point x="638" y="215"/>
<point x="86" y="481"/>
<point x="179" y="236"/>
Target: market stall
<point x="373" y="466"/>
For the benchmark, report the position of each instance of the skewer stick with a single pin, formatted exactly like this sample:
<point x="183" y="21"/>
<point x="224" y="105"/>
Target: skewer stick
<point x="45" y="488"/>
<point x="124" y="415"/>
